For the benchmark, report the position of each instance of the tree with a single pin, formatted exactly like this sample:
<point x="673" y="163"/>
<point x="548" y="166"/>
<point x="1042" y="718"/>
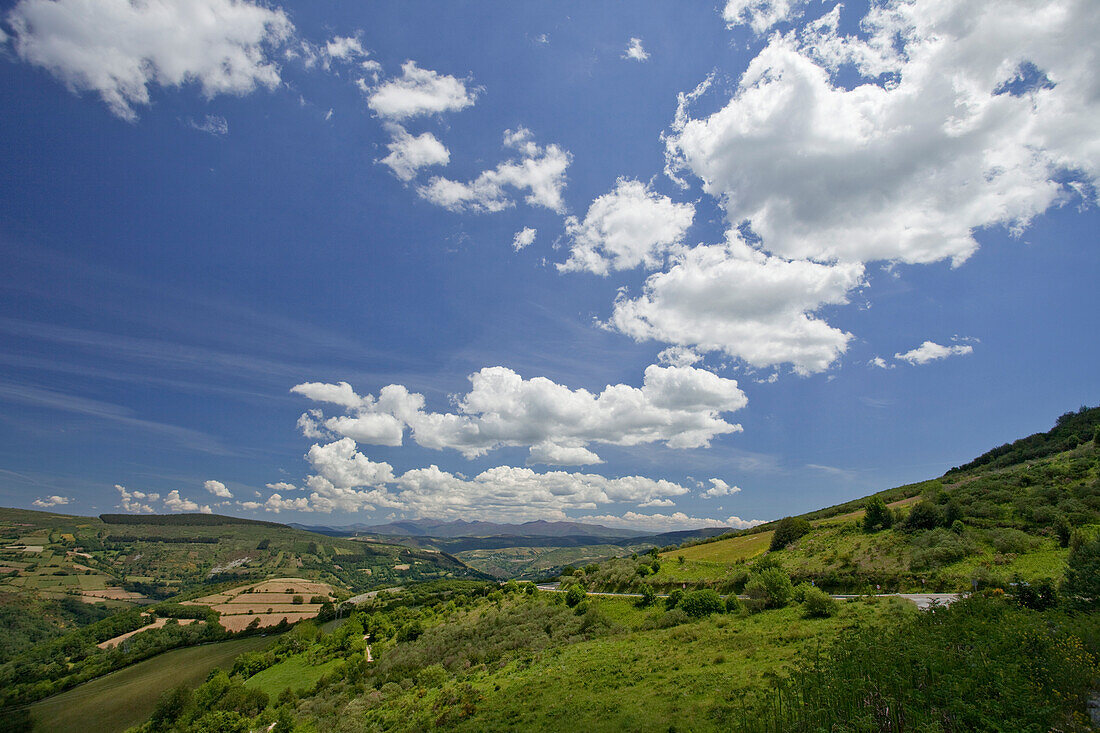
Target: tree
<point x="770" y="588"/>
<point x="923" y="515"/>
<point x="878" y="515"/>
<point x="700" y="603"/>
<point x="673" y="598"/>
<point x="1063" y="531"/>
<point x="787" y="531"/>
<point x="575" y="595"/>
<point x="649" y="596"/>
<point x="1081" y="586"/>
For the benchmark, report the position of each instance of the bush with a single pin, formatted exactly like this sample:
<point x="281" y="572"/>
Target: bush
<point x="700" y="603"/>
<point x="878" y="515"/>
<point x="923" y="515"/>
<point x="817" y="603"/>
<point x="937" y="548"/>
<point x="674" y="598"/>
<point x="1040" y="596"/>
<point x="733" y="603"/>
<point x="649" y="597"/>
<point x="1082" y="583"/>
<point x="574" y="595"/>
<point x="787" y="531"/>
<point x="770" y="588"/>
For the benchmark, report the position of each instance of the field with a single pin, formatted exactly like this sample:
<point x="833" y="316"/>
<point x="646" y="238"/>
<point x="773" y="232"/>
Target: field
<point x="725" y="551"/>
<point x="125" y="698"/>
<point x="269" y="601"/>
<point x="295" y="673"/>
<point x="154" y="625"/>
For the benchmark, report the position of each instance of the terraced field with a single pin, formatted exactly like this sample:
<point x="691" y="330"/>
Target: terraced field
<point x="269" y="601"/>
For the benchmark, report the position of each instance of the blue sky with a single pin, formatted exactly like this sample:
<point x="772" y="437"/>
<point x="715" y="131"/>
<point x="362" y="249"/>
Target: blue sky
<point x="783" y="254"/>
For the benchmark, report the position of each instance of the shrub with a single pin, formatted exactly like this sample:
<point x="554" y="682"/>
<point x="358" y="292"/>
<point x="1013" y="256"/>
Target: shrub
<point x="938" y="547"/>
<point x="1039" y="596"/>
<point x="770" y="588"/>
<point x="923" y="515"/>
<point x="700" y="603"/>
<point x="574" y="596"/>
<point x="1082" y="582"/>
<point x="787" y="531"/>
<point x="643" y="570"/>
<point x="817" y="603"/>
<point x="733" y="603"/>
<point x="649" y="597"/>
<point x="674" y="598"/>
<point x="878" y="515"/>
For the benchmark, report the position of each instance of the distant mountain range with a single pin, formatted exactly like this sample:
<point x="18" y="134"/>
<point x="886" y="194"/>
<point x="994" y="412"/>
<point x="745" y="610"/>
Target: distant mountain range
<point x="462" y="528"/>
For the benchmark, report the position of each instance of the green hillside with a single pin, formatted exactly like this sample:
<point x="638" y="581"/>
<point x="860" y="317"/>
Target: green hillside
<point x="1007" y="516"/>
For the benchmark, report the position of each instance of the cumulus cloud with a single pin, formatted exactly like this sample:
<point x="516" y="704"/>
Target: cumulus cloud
<point x="348" y="481"/>
<point x="408" y="153"/>
<point x="173" y="502"/>
<point x="419" y="92"/>
<point x="677" y="405"/>
<point x="540" y="171"/>
<point x="635" y="51"/>
<point x="218" y="489"/>
<point x="880" y="363"/>
<point x="51" y="501"/>
<point x="668" y="522"/>
<point x="678" y="356"/>
<point x="761" y="15"/>
<point x="134" y="502"/>
<point x="718" y="487"/>
<point x="942" y="134"/>
<point x="931" y="351"/>
<point x="752" y="306"/>
<point x="627" y="227"/>
<point x="524" y="238"/>
<point x="119" y="48"/>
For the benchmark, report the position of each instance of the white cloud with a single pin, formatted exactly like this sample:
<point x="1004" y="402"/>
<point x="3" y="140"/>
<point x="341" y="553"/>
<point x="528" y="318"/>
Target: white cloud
<point x="50" y="501"/>
<point x="751" y="306"/>
<point x="419" y="92"/>
<point x="345" y="48"/>
<point x="678" y="356"/>
<point x="281" y="486"/>
<point x="541" y="172"/>
<point x="635" y="50"/>
<point x="904" y="167"/>
<point x="119" y="48"/>
<point x="627" y="227"/>
<point x="212" y="125"/>
<point x="173" y="502"/>
<point x="679" y="406"/>
<point x="348" y="481"/>
<point x="761" y="15"/>
<point x="524" y="238"/>
<point x="718" y="487"/>
<point x="879" y="362"/>
<point x="218" y="489"/>
<point x="667" y="522"/>
<point x="132" y="501"/>
<point x="408" y="154"/>
<point x="931" y="351"/>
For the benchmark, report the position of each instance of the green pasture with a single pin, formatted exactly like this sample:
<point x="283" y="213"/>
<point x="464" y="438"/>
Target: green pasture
<point x="125" y="698"/>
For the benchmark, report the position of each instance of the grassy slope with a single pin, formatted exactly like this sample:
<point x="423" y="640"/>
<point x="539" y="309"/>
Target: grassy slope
<point x="1004" y="502"/>
<point x="124" y="698"/>
<point x="295" y="673"/>
<point x="693" y="675"/>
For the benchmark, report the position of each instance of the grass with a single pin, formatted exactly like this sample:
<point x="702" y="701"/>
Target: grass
<point x="125" y="698"/>
<point x="295" y="673"/>
<point x="724" y="551"/>
<point x="691" y="676"/>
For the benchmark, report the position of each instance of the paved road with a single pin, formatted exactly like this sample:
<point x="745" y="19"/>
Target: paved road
<point x="922" y="600"/>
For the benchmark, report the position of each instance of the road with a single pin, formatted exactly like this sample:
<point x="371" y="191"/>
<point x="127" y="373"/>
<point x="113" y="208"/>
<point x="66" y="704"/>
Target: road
<point x="922" y="600"/>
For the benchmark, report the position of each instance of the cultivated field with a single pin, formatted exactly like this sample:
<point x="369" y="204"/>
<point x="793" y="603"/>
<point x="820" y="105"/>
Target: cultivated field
<point x="725" y="551"/>
<point x="270" y="601"/>
<point x="125" y="698"/>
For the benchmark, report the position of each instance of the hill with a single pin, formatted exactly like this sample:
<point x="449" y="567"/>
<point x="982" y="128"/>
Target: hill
<point x="1005" y="516"/>
<point x="73" y="570"/>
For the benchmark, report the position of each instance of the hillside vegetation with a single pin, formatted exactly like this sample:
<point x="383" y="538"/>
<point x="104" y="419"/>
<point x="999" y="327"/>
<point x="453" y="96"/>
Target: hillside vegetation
<point x="1005" y="517"/>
